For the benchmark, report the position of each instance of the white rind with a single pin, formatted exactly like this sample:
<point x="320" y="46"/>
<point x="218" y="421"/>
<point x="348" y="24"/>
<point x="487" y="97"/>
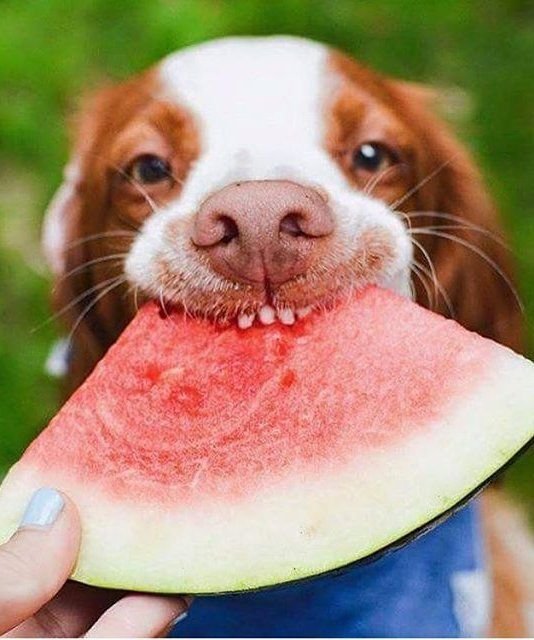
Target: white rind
<point x="307" y="523"/>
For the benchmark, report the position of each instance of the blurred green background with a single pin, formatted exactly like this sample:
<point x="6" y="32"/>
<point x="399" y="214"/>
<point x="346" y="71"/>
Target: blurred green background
<point x="51" y="51"/>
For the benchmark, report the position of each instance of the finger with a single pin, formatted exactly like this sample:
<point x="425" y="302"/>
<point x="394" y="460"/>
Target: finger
<point x="69" y="614"/>
<point x="37" y="560"/>
<point x="139" y="616"/>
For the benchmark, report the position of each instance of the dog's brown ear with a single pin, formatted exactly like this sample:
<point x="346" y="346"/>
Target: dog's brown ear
<point x="67" y="246"/>
<point x="459" y="227"/>
<point x="66" y="252"/>
<point x="75" y="229"/>
<point x="62" y="216"/>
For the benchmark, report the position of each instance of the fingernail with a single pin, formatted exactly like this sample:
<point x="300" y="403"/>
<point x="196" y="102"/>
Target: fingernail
<point x="173" y="623"/>
<point x="43" y="509"/>
<point x="187" y="600"/>
<point x="179" y="618"/>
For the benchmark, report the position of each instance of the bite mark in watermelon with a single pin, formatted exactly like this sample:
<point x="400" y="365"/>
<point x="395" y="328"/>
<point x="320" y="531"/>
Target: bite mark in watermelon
<point x="209" y="460"/>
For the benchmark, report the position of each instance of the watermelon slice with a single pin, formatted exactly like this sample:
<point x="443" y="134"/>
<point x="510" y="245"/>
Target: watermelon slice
<point x="207" y="459"/>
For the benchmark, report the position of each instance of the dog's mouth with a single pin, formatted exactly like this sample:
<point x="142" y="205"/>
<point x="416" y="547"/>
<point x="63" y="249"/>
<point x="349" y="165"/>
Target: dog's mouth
<point x="265" y="315"/>
<point x="266" y="305"/>
<point x="247" y="306"/>
<point x="260" y="307"/>
<point x="189" y="284"/>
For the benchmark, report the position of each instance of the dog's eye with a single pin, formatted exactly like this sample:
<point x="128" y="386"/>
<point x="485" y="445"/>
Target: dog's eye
<point x="149" y="169"/>
<point x="372" y="157"/>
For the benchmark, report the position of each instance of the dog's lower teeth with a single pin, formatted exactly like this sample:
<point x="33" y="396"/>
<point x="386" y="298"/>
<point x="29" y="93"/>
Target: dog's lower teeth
<point x="245" y="321"/>
<point x="286" y="316"/>
<point x="267" y="314"/>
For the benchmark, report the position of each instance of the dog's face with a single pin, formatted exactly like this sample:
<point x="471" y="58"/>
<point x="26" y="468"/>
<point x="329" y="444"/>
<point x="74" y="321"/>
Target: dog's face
<point x="272" y="215"/>
<point x="249" y="180"/>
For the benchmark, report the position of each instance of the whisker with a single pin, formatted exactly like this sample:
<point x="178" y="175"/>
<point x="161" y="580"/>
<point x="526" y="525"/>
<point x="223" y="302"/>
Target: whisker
<point x="177" y="180"/>
<point x="415" y="269"/>
<point x="128" y="291"/>
<point x="138" y="187"/>
<point x="151" y="202"/>
<point x="374" y="180"/>
<point x="97" y="236"/>
<point x="441" y="214"/>
<point x="429" y="261"/>
<point x="481" y="254"/>
<point x="461" y="227"/>
<point x="135" y="226"/>
<point x="462" y="222"/>
<point x="441" y="289"/>
<point x="88" y="308"/>
<point x="162" y="303"/>
<point x="419" y="185"/>
<point x="75" y="301"/>
<point x="412" y="289"/>
<point x="407" y="219"/>
<point x="85" y="265"/>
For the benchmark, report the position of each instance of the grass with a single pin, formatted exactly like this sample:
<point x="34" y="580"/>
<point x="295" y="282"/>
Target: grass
<point x="53" y="51"/>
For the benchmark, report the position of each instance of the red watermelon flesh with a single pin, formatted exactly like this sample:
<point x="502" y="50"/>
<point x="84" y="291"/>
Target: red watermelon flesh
<point x="207" y="459"/>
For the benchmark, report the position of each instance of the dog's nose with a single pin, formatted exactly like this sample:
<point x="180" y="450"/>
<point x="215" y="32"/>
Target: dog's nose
<point x="263" y="230"/>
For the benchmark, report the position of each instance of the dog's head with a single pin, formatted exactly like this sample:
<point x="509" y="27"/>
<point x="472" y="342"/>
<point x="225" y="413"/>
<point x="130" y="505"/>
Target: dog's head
<point x="251" y="179"/>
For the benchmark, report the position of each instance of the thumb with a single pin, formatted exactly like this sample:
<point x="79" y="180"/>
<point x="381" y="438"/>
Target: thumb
<point x="40" y="556"/>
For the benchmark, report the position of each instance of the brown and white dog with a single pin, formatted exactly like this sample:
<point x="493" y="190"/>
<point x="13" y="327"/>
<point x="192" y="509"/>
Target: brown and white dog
<point x="251" y="179"/>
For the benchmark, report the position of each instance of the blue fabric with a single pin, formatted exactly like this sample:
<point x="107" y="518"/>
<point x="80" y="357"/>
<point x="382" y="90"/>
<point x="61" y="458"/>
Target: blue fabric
<point x="408" y="593"/>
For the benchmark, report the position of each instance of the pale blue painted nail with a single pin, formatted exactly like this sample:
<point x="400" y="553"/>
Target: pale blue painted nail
<point x="43" y="509"/>
<point x="179" y="618"/>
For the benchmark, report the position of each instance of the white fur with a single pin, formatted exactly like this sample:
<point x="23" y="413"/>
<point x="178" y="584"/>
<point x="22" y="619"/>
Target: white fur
<point x="259" y="104"/>
<point x="54" y="230"/>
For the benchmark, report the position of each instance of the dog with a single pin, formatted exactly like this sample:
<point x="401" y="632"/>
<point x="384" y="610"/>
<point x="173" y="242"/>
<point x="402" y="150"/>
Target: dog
<point x="250" y="180"/>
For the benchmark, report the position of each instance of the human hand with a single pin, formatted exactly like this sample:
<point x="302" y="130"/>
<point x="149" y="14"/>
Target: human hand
<point x="37" y="601"/>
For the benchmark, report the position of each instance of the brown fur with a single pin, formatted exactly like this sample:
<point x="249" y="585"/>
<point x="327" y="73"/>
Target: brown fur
<point x="480" y="298"/>
<point x="367" y="105"/>
<point x="511" y="557"/>
<point x="109" y="130"/>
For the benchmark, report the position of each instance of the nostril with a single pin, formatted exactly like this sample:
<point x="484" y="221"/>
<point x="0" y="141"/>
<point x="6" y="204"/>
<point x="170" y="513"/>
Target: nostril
<point x="212" y="228"/>
<point x="291" y="225"/>
<point x="229" y="229"/>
